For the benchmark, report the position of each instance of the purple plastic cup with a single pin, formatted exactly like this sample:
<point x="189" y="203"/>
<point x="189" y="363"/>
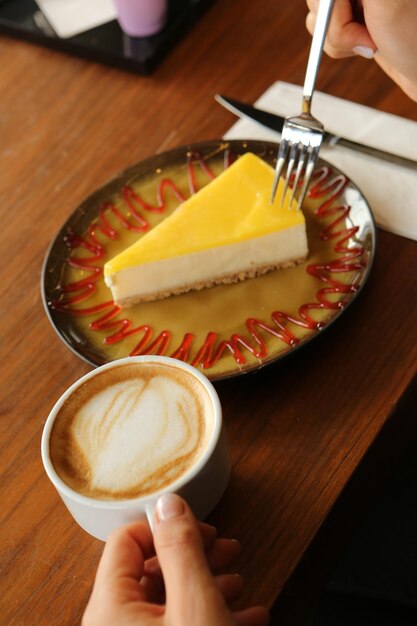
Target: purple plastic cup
<point x="141" y="18"/>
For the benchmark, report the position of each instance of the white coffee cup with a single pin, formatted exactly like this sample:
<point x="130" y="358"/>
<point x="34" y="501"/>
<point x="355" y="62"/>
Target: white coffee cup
<point x="202" y="485"/>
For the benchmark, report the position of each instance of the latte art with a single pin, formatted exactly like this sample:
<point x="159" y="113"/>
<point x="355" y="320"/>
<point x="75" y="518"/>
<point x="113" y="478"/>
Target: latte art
<point x="131" y="431"/>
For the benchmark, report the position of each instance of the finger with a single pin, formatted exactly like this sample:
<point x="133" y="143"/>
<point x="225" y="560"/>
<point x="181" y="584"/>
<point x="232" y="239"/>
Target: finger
<point x="122" y="563"/>
<point x="331" y="50"/>
<point x="313" y="5"/>
<point x="345" y="36"/>
<point x="347" y="39"/>
<point x="230" y="586"/>
<point x="222" y="553"/>
<point x="255" y="616"/>
<point x="180" y="552"/>
<point x="153" y="588"/>
<point x="208" y="533"/>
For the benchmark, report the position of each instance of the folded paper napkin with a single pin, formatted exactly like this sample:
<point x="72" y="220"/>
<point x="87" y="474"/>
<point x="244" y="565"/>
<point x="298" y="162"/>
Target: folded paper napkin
<point x="391" y="190"/>
<point x="71" y="17"/>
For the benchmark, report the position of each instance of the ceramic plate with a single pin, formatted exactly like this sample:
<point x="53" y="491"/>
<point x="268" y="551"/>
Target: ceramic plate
<point x="226" y="330"/>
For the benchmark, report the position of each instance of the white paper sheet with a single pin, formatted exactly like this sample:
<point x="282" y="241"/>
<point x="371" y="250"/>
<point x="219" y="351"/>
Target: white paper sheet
<point x="71" y="17"/>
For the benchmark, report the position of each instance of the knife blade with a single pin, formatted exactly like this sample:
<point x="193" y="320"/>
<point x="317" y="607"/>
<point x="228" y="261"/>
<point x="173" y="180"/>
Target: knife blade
<point x="276" y="122"/>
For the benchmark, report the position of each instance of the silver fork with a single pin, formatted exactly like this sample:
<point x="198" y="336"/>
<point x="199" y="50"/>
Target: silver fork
<point x="302" y="134"/>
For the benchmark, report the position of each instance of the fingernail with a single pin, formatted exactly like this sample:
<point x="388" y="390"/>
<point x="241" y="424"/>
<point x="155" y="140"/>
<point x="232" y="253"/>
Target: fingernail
<point x="363" y="51"/>
<point x="169" y="505"/>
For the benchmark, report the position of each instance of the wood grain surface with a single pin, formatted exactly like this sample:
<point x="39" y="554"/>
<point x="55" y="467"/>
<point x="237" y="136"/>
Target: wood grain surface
<point x="299" y="429"/>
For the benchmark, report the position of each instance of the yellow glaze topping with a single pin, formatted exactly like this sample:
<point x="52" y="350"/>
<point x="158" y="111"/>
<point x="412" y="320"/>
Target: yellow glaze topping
<point x="232" y="208"/>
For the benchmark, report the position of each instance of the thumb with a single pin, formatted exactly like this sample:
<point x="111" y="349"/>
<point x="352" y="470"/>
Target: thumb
<point x="190" y="587"/>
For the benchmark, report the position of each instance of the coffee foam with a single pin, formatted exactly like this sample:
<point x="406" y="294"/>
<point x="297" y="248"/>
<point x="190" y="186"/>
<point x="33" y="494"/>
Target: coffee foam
<point x="131" y="430"/>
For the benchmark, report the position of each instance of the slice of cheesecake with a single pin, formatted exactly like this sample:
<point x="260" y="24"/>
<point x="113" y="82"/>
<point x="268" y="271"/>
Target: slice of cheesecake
<point x="226" y="232"/>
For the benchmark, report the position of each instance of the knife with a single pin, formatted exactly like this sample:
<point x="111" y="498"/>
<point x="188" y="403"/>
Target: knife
<point x="275" y="122"/>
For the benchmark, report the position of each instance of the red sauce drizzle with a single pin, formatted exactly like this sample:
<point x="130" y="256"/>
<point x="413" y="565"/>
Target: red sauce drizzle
<point x="211" y="351"/>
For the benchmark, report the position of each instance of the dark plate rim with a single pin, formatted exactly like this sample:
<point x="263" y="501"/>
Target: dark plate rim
<point x="198" y="147"/>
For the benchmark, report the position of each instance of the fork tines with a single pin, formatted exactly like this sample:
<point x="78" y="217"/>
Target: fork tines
<point x="299" y="148"/>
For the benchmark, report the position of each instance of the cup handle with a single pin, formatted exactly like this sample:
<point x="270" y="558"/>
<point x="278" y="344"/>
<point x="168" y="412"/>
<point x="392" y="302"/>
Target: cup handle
<point x="150" y="514"/>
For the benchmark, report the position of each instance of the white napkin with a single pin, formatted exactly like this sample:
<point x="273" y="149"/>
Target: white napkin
<point x="390" y="190"/>
<point x="71" y="17"/>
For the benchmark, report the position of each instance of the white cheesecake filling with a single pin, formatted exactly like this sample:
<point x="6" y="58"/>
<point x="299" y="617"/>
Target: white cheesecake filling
<point x="207" y="266"/>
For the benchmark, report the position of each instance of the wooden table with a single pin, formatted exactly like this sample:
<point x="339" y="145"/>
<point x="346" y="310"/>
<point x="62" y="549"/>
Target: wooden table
<point x="299" y="430"/>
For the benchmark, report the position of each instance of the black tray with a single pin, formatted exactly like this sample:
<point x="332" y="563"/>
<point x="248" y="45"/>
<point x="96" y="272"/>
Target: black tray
<point x="106" y="43"/>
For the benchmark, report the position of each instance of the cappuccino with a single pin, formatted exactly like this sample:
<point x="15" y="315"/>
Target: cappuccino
<point x="131" y="430"/>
